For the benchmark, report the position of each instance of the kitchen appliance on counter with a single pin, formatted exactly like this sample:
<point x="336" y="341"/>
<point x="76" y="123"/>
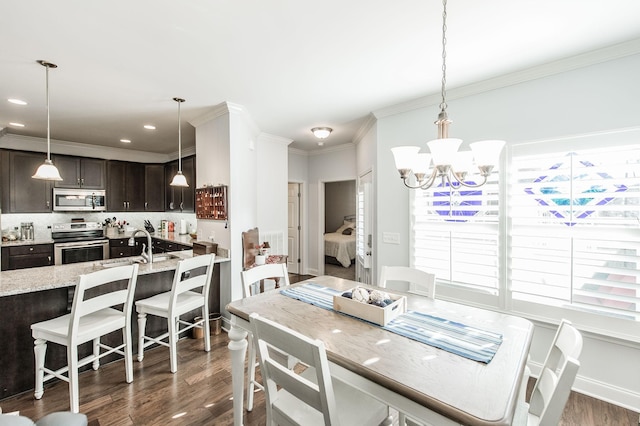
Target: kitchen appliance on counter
<point x="26" y="231"/>
<point x="79" y="242"/>
<point x="71" y="200"/>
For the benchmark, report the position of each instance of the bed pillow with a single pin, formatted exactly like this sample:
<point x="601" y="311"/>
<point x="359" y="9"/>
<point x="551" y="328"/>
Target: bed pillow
<point x="344" y="226"/>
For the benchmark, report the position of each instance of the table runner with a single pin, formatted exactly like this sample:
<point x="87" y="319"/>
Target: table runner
<point x="460" y="339"/>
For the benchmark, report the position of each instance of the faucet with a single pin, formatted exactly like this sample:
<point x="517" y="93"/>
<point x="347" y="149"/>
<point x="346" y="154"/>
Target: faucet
<point x="147" y="251"/>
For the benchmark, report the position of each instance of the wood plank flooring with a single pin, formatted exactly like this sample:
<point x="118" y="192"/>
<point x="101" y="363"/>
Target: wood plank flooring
<point x="200" y="394"/>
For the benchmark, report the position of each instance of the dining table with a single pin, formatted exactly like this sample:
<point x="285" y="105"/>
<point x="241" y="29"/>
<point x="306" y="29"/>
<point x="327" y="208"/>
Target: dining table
<point x="430" y="382"/>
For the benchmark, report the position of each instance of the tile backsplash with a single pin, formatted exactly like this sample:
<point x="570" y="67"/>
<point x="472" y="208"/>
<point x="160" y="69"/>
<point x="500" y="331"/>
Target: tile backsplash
<point x="43" y="221"/>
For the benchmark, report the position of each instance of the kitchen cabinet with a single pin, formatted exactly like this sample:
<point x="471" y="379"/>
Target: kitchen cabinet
<point x="164" y="246"/>
<point x="119" y="247"/>
<point x="80" y="172"/>
<point x="24" y="195"/>
<point x="27" y="256"/>
<point x="179" y="198"/>
<point x="125" y="187"/>
<point x="154" y="191"/>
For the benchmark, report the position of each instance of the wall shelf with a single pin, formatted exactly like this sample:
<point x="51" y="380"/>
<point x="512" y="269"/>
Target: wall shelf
<point x="211" y="202"/>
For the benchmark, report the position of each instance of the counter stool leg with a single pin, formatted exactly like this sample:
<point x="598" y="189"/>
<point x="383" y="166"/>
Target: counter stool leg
<point x="128" y="354"/>
<point x="173" y="356"/>
<point x="96" y="353"/>
<point x="142" y="324"/>
<point x="39" y="350"/>
<point x="72" y="362"/>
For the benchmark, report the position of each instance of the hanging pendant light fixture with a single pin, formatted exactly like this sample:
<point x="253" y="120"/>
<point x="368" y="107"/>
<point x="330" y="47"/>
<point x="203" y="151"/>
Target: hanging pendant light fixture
<point x="47" y="171"/>
<point x="179" y="179"/>
<point x="448" y="164"/>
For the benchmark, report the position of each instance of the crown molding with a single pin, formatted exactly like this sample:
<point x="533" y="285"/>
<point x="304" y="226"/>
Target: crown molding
<point x="215" y="112"/>
<point x="329" y="150"/>
<point x="267" y="137"/>
<point x="364" y="129"/>
<point x="298" y="151"/>
<point x="30" y="143"/>
<point x="621" y="50"/>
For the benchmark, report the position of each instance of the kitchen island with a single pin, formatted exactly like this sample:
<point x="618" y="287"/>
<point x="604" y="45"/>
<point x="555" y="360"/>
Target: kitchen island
<point x="31" y="295"/>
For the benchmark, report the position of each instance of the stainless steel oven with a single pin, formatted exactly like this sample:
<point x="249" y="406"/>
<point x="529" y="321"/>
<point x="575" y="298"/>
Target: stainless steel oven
<point x="79" y="242"/>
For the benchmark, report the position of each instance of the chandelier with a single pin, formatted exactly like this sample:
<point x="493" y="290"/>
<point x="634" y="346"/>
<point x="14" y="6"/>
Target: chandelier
<point x="449" y="165"/>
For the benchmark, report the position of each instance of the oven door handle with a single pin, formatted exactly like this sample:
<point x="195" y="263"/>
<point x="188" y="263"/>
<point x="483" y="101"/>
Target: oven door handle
<point x="81" y="244"/>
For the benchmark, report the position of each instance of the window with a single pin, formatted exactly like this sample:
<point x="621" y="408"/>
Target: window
<point x="560" y="237"/>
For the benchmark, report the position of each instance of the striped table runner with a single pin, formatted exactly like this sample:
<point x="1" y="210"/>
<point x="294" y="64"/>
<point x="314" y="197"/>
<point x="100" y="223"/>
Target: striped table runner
<point x="460" y="339"/>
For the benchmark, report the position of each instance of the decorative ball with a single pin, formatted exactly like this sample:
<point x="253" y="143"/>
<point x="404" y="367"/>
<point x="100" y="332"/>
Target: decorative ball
<point x="360" y="294"/>
<point x="377" y="296"/>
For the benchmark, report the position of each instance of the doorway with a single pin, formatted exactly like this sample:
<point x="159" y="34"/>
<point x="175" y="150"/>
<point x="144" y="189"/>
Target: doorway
<point x="293" y="228"/>
<point x="340" y="229"/>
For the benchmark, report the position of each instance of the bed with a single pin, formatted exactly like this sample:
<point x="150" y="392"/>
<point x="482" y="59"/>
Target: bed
<point x="340" y="246"/>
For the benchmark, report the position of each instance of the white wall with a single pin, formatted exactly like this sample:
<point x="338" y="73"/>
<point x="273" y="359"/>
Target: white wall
<point x="327" y="166"/>
<point x="272" y="177"/>
<point x="594" y="98"/>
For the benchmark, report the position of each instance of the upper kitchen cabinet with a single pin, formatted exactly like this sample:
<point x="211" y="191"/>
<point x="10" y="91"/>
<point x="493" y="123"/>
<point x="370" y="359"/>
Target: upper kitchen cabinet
<point x="125" y="186"/>
<point x="179" y="198"/>
<point x="80" y="172"/>
<point x="24" y="194"/>
<point x="154" y="188"/>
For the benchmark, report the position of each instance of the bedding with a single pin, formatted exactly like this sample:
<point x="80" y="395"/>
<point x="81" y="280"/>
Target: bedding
<point x="341" y="244"/>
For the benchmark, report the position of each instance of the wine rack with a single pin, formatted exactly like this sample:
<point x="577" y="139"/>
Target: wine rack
<point x="211" y="202"/>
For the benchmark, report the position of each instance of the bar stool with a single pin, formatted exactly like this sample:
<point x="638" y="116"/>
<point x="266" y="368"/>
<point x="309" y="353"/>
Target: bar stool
<point x="102" y="304"/>
<point x="182" y="298"/>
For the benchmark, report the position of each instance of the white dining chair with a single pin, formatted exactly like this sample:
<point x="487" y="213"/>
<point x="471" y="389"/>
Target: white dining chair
<point x="102" y="304"/>
<point x="308" y="395"/>
<point x="552" y="389"/>
<point x="189" y="291"/>
<point x="420" y="282"/>
<point x="250" y="278"/>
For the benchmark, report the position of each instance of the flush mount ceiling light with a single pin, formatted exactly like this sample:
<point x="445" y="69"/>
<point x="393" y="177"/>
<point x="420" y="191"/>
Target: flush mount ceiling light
<point x="321" y="132"/>
<point x="47" y="171"/>
<point x="448" y="164"/>
<point x="179" y="179"/>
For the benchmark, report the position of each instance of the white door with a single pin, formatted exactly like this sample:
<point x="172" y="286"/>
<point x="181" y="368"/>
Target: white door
<point x="364" y="229"/>
<point x="293" y="228"/>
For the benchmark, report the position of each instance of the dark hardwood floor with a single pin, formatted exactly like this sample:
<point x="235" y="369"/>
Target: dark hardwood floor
<point x="200" y="393"/>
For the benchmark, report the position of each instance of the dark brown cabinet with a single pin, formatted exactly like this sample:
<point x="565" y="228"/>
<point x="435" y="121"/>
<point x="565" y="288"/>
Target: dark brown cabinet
<point x="20" y="192"/>
<point x="178" y="198"/>
<point x="125" y="188"/>
<point x="80" y="172"/>
<point x="154" y="188"/>
<point x="27" y="256"/>
<point x="119" y="247"/>
<point x="164" y="246"/>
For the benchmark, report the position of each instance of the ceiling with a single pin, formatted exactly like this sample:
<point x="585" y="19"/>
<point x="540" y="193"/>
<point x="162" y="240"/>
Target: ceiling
<point x="292" y="65"/>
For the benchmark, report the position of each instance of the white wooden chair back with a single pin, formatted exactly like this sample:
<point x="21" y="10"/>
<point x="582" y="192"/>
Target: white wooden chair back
<point x="319" y="395"/>
<point x="185" y="279"/>
<point x="420" y="282"/>
<point x="123" y="297"/>
<point x="558" y="374"/>
<point x="262" y="272"/>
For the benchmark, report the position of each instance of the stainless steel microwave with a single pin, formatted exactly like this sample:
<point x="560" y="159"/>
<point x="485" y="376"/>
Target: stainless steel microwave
<point x="73" y="200"/>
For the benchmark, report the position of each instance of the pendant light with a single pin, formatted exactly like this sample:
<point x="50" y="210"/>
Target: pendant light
<point x="179" y="179"/>
<point x="47" y="171"/>
<point x="449" y="165"/>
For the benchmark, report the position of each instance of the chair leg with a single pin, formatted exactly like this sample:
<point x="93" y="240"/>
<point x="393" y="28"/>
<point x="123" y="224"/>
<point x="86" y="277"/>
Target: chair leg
<point x="72" y="362"/>
<point x="207" y="328"/>
<point x="39" y="350"/>
<point x="142" y="324"/>
<point x="251" y="372"/>
<point x="96" y="353"/>
<point x="173" y="355"/>
<point x="128" y="354"/>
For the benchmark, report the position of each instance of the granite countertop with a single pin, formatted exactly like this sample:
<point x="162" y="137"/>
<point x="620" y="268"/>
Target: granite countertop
<point x="50" y="277"/>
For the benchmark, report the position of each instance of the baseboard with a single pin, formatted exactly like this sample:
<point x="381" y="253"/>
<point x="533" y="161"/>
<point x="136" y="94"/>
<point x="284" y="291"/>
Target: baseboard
<point x="594" y="388"/>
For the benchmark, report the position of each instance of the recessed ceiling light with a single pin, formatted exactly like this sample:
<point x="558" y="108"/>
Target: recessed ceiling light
<point x="17" y="101"/>
<point x="149" y="127"/>
<point x="16" y="124"/>
<point x="125" y="140"/>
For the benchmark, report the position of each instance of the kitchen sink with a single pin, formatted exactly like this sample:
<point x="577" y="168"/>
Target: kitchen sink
<point x="112" y="263"/>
